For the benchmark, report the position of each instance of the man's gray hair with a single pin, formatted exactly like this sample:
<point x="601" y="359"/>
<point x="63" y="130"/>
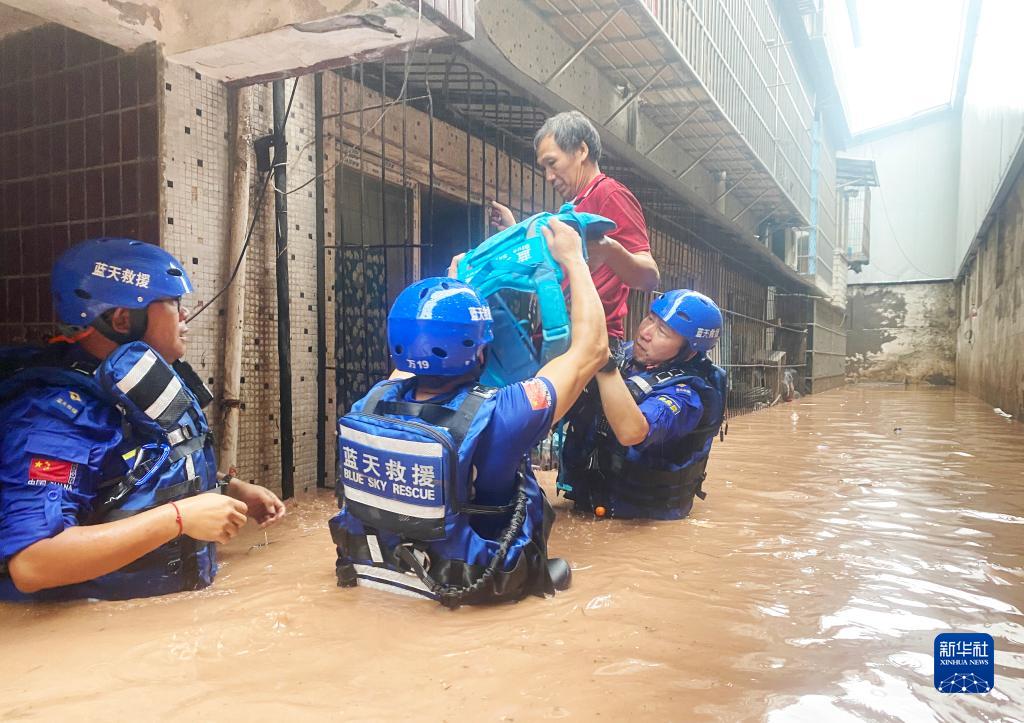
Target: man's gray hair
<point x="570" y="130"/>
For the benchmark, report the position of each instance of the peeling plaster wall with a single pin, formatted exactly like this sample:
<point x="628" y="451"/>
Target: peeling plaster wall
<point x="902" y="332"/>
<point x="990" y="339"/>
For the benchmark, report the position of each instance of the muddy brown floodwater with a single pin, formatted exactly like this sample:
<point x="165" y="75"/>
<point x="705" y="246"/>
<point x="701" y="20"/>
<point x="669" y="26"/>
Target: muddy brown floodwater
<point x="840" y="535"/>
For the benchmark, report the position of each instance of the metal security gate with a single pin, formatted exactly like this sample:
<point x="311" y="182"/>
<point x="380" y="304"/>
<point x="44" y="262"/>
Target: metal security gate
<point x="375" y="261"/>
<point x="426" y="142"/>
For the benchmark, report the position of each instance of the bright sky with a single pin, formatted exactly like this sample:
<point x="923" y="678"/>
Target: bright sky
<point x="906" y="61"/>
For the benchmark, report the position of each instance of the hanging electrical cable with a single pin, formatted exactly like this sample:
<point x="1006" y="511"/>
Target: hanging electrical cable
<point x="267" y="173"/>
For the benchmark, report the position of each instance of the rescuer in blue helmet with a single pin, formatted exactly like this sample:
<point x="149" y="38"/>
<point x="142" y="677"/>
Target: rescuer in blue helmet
<point x="639" y="449"/>
<point x="436" y="492"/>
<point x="107" y="473"/>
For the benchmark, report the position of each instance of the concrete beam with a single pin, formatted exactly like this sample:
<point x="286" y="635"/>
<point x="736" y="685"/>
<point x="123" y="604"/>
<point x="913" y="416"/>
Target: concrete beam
<point x="13" y="20"/>
<point x="260" y="39"/>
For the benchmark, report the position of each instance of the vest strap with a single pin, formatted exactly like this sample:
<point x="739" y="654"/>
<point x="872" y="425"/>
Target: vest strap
<point x="378" y="392"/>
<point x="177" y="556"/>
<point x="165" y="494"/>
<point x="183" y="449"/>
<point x="662" y="488"/>
<point x="487" y="509"/>
<point x="642" y="385"/>
<point x="467" y="411"/>
<point x="434" y="414"/>
<point x="457" y="421"/>
<point x="179" y="435"/>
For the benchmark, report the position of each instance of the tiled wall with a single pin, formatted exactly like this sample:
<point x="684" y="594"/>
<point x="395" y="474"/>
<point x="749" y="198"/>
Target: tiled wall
<point x="196" y="194"/>
<point x="79" y="132"/>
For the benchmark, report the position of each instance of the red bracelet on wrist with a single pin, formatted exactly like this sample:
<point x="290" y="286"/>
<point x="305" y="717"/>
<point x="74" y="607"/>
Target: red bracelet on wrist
<point x="177" y="518"/>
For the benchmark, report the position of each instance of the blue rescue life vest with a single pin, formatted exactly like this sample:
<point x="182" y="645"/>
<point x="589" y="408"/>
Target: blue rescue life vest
<point x="170" y="457"/>
<point x="518" y="259"/>
<point x="408" y="522"/>
<point x="597" y="471"/>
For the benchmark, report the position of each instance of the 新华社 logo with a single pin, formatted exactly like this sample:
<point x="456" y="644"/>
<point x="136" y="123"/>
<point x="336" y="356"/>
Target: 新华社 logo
<point x="964" y="663"/>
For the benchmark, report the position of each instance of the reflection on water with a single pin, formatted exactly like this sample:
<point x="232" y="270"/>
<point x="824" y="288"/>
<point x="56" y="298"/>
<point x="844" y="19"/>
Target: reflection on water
<point x="840" y="535"/>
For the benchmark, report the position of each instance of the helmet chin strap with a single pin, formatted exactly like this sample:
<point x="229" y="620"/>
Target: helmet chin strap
<point x="137" y="321"/>
<point x="685" y="353"/>
<point x="682" y="356"/>
<point x="70" y="334"/>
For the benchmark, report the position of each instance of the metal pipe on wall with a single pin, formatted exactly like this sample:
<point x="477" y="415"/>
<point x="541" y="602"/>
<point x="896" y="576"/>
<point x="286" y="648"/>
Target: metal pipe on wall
<point x="241" y="153"/>
<point x="284" y="349"/>
<point x="321" y="284"/>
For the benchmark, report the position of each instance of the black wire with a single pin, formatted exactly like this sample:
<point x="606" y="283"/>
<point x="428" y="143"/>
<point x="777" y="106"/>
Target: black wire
<point x="255" y="216"/>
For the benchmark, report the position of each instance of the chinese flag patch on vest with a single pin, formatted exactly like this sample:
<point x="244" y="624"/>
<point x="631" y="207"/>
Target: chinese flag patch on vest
<point x="41" y="469"/>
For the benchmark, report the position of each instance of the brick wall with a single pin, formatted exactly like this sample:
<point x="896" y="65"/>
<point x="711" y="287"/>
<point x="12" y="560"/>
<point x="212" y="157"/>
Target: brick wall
<point x="79" y="129"/>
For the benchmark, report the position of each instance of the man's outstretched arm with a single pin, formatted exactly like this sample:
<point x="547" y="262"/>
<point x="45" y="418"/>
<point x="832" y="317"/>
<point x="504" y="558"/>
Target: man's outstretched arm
<point x="588" y="351"/>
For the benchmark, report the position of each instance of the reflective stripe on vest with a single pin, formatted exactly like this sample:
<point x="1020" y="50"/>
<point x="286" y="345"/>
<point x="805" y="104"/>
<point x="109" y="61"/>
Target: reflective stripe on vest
<point x="404" y="491"/>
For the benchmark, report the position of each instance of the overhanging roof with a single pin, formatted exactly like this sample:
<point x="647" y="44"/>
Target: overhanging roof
<point x="856" y="172"/>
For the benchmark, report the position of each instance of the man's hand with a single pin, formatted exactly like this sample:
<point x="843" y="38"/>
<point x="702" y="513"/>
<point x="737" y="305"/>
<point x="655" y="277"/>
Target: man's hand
<point x="263" y="505"/>
<point x="563" y="241"/>
<point x="211" y="517"/>
<point x="453" y="267"/>
<point x="501" y="217"/>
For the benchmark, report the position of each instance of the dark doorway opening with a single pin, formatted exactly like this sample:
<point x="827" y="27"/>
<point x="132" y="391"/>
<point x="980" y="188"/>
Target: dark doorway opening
<point x="448" y="227"/>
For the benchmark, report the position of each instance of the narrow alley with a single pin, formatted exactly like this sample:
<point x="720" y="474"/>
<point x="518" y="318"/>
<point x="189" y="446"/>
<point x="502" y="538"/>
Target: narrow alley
<point x="840" y="533"/>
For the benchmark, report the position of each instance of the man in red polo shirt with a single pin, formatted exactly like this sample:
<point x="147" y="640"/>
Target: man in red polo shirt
<point x="568" y="148"/>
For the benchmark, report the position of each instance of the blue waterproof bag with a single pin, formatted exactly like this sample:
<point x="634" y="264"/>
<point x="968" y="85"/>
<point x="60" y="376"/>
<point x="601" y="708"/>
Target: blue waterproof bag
<point x="518" y="259"/>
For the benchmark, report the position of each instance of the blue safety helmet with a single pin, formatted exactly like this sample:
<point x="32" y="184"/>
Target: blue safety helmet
<point x="692" y="315"/>
<point x="105" y="273"/>
<point x="437" y="327"/>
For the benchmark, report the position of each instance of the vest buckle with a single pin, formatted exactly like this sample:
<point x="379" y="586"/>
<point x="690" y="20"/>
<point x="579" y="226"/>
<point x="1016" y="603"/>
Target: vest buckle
<point x="180" y="435"/>
<point x="412" y="556"/>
